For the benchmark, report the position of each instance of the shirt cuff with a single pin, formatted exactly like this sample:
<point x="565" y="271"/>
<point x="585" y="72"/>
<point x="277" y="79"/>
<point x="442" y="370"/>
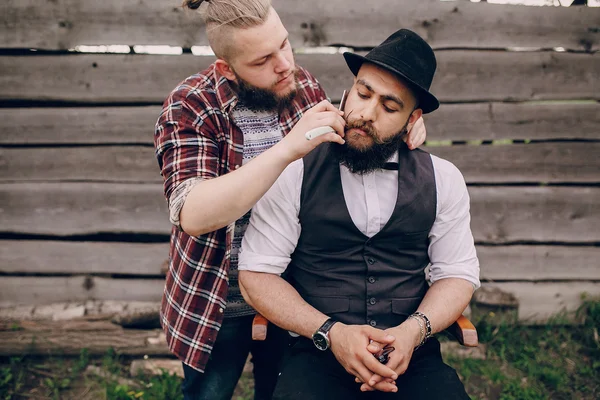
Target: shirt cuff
<point x="468" y="273"/>
<point x="249" y="261"/>
<point x="178" y="197"/>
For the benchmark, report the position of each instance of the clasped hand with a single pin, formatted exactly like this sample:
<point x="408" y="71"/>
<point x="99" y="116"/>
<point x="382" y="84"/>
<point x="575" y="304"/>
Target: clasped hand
<point x="354" y="347"/>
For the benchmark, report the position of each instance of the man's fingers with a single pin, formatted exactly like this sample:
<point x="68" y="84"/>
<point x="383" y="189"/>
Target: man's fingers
<point x="377" y="335"/>
<point x="331" y="137"/>
<point x="417" y="135"/>
<point x="324" y="106"/>
<point x="375" y="347"/>
<point x="375" y="379"/>
<point x="361" y="372"/>
<point x="366" y="388"/>
<point x="333" y="120"/>
<point x="378" y="368"/>
<point x="382" y="386"/>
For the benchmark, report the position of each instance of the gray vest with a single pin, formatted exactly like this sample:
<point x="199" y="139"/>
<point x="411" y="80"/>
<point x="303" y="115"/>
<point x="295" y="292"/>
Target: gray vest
<point x="344" y="273"/>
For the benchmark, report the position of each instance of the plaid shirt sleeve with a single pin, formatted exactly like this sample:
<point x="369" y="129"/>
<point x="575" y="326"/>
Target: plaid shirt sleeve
<point x="185" y="142"/>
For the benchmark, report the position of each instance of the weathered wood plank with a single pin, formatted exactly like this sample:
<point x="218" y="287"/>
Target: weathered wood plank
<point x="462" y="76"/>
<point x="65" y="339"/>
<point x="43" y="290"/>
<point x="535" y="214"/>
<point x="94" y="125"/>
<point x="538" y="302"/>
<point x="135" y="125"/>
<point x="66" y="23"/>
<point x="497" y="121"/>
<point x="498" y="214"/>
<point x="83" y="208"/>
<point x="505" y="263"/>
<point x="521" y="263"/>
<point x="103" y="163"/>
<point x="90" y="310"/>
<point x="534" y="162"/>
<point x="58" y="257"/>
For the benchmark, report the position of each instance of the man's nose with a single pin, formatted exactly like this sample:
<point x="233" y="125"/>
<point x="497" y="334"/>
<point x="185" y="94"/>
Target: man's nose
<point x="282" y="63"/>
<point x="367" y="113"/>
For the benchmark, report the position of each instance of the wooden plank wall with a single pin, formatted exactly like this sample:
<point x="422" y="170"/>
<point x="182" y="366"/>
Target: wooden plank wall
<point x="81" y="206"/>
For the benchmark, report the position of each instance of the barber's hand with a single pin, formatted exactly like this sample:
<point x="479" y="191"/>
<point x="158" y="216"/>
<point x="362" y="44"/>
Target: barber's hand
<point x="349" y="345"/>
<point x="417" y="135"/>
<point x="295" y="145"/>
<point x="407" y="337"/>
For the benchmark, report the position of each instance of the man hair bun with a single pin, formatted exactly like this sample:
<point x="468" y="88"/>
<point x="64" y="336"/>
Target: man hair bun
<point x="193" y="4"/>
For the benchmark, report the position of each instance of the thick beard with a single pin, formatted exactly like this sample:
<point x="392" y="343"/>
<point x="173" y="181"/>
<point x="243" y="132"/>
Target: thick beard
<point x="363" y="161"/>
<point x="258" y="99"/>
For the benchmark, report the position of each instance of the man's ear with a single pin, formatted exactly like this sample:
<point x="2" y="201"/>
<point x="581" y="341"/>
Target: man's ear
<point x="225" y="69"/>
<point x="414" y="117"/>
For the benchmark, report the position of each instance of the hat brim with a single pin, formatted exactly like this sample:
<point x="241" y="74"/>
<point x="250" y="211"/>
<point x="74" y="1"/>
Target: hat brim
<point x="427" y="101"/>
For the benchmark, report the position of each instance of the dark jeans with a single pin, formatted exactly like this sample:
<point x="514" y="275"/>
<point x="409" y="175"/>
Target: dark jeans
<point x="227" y="360"/>
<point x="310" y="374"/>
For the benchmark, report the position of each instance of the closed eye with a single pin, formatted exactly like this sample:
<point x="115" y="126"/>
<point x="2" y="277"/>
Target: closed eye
<point x="262" y="62"/>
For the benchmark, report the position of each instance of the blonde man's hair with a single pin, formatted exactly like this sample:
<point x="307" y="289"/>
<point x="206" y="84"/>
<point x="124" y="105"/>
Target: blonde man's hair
<point x="220" y="16"/>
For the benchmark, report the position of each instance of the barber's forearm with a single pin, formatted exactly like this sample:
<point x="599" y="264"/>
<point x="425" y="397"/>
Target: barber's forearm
<point x="280" y="303"/>
<point x="445" y="301"/>
<point x="215" y="203"/>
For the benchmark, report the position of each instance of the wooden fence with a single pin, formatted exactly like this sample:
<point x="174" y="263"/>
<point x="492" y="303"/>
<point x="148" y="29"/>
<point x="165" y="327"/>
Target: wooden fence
<point x="81" y="206"/>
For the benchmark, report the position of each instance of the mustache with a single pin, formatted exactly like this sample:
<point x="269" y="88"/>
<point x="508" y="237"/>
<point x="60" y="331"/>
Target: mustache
<point x="363" y="126"/>
<point x="294" y="72"/>
<point x="366" y="127"/>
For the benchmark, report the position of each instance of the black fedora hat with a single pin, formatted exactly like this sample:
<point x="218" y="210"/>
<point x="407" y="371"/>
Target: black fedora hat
<point x="404" y="53"/>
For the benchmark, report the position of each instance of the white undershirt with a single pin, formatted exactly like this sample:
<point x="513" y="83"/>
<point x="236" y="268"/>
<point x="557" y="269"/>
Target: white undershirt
<point x="274" y="227"/>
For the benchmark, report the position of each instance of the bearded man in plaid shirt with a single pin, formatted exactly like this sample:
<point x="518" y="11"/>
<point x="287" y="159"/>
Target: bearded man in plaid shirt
<point x="222" y="139"/>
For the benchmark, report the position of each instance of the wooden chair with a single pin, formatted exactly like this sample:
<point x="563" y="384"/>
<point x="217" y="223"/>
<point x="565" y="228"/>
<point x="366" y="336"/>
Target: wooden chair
<point x="464" y="331"/>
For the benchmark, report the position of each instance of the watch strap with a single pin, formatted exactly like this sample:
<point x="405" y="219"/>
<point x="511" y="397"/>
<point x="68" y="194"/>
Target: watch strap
<point x="324" y="329"/>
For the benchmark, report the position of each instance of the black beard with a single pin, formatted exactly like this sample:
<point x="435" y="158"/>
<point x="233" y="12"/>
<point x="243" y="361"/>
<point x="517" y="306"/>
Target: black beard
<point x="363" y="161"/>
<point x="258" y="99"/>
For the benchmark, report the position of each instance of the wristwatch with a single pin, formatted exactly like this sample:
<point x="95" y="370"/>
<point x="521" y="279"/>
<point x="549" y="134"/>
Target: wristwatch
<point x="321" y="336"/>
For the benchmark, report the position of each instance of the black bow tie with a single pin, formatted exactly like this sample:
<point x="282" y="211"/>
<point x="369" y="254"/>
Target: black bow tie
<point x="392" y="166"/>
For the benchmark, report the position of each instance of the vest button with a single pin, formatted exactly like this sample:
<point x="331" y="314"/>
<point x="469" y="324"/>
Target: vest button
<point x="372" y="300"/>
<point x="372" y="322"/>
<point x="371" y="279"/>
<point x="371" y="261"/>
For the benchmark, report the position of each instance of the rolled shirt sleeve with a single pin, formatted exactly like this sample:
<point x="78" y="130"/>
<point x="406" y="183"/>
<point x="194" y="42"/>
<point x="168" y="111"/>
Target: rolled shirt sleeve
<point x="452" y="249"/>
<point x="186" y="148"/>
<point x="274" y="228"/>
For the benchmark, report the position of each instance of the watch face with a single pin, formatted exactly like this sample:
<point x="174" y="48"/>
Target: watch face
<point x="320" y="341"/>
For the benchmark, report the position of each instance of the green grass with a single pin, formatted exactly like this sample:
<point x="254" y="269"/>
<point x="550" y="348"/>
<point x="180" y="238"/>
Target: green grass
<point x="556" y="361"/>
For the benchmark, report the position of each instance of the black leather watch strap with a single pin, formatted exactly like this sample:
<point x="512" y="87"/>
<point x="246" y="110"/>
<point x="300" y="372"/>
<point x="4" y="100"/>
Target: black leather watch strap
<point x="327" y="326"/>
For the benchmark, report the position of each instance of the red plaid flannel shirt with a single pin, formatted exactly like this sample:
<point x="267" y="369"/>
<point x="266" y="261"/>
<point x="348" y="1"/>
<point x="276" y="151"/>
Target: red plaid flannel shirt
<point x="195" y="137"/>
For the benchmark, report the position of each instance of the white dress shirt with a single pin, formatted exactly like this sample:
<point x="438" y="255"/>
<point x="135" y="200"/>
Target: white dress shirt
<point x="274" y="227"/>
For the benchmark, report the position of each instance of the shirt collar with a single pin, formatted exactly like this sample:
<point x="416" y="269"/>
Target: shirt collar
<point x="225" y="94"/>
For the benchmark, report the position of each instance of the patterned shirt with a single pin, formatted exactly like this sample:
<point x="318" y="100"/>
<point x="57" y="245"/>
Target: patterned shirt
<point x="196" y="138"/>
<point x="261" y="132"/>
